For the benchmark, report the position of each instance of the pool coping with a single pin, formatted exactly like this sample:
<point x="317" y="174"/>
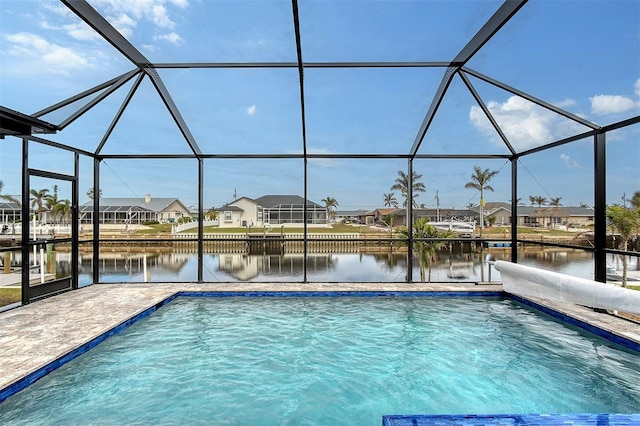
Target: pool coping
<point x="512" y="419"/>
<point x="141" y="300"/>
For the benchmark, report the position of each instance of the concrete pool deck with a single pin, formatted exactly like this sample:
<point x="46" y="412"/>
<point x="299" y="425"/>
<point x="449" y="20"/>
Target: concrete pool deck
<point x="38" y="334"/>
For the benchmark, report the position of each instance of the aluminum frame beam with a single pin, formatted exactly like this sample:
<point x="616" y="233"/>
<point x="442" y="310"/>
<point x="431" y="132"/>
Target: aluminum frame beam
<point x="504" y="13"/>
<point x="96" y="21"/>
<point x="383" y="64"/>
<point x="85" y="93"/>
<point x="433" y="108"/>
<point x="115" y="86"/>
<point x="487" y="113"/>
<point x="532" y="99"/>
<point x="296" y="25"/>
<point x="173" y="110"/>
<point x="121" y="110"/>
<point x="508" y="9"/>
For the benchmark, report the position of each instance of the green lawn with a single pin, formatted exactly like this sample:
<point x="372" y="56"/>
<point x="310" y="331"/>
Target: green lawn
<point x="10" y="295"/>
<point x="156" y="229"/>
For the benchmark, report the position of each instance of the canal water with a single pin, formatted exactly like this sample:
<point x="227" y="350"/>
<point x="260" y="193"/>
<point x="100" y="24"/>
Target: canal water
<point x="167" y="264"/>
<point x="172" y="266"/>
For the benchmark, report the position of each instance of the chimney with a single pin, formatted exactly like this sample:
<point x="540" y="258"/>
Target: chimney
<point x="147" y="198"/>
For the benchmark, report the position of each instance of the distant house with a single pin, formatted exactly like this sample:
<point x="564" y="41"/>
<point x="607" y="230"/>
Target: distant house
<point x="544" y="216"/>
<point x="547" y="216"/>
<point x="135" y="210"/>
<point x="358" y="216"/>
<point x="10" y="213"/>
<point x="501" y="211"/>
<point x="432" y="215"/>
<point x="280" y="210"/>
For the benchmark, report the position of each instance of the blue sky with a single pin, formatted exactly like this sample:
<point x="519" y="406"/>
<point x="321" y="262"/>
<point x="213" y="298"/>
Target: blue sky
<point x="582" y="56"/>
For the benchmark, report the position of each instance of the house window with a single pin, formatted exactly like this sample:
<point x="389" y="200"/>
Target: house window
<point x="227" y="216"/>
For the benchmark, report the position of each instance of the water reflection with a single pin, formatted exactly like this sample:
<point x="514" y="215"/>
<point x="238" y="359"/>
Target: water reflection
<point x="455" y="265"/>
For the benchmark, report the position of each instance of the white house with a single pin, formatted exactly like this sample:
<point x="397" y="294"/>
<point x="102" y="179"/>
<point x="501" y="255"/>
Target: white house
<point x="135" y="210"/>
<point x="280" y="210"/>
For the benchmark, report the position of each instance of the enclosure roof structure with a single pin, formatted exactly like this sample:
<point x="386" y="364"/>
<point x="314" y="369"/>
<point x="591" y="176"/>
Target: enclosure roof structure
<point x="16" y="123"/>
<point x="372" y="63"/>
<point x="272" y="201"/>
<point x="155" y="204"/>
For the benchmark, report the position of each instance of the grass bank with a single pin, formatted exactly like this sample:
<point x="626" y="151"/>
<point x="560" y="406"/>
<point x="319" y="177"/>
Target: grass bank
<point x="10" y="295"/>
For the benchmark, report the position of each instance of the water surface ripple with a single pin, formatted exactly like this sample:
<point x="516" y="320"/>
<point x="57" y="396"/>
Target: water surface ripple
<point x="332" y="361"/>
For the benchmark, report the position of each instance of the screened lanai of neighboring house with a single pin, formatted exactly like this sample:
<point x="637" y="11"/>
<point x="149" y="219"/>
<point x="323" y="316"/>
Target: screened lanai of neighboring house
<point x="325" y="100"/>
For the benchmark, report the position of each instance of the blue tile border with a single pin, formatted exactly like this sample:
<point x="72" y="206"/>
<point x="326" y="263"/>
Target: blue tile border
<point x="600" y="419"/>
<point x="612" y="337"/>
<point x="333" y="293"/>
<point x="54" y="365"/>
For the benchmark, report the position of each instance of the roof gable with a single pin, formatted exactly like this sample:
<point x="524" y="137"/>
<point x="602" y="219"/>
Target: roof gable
<point x="271" y="201"/>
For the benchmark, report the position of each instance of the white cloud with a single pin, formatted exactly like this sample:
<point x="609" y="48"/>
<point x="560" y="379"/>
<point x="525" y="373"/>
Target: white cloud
<point x="322" y="162"/>
<point x="51" y="57"/>
<point x="251" y="110"/>
<point x="77" y="30"/>
<point x="160" y="17"/>
<point x="615" y="104"/>
<point x="565" y="103"/>
<point x="58" y="9"/>
<point x="153" y="11"/>
<point x="171" y="37"/>
<point x="611" y="104"/>
<point x="569" y="162"/>
<point x="123" y="23"/>
<point x="525" y="124"/>
<point x="149" y="48"/>
<point x="183" y="4"/>
<point x="81" y="31"/>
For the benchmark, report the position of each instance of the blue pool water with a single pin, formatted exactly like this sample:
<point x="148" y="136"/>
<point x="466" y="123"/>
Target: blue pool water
<point x="343" y="361"/>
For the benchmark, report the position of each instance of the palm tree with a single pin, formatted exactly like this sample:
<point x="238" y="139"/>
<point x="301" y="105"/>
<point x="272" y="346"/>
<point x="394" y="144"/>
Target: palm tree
<point x="584" y="205"/>
<point x="540" y="201"/>
<point x="330" y="203"/>
<point x="532" y="199"/>
<point x="37" y="199"/>
<point x="62" y="209"/>
<point x="625" y="222"/>
<point x="402" y="184"/>
<point x="390" y="200"/>
<point x="90" y="194"/>
<point x="635" y="200"/>
<point x="555" y="202"/>
<point x="480" y="180"/>
<point x="426" y="251"/>
<point x="212" y="213"/>
<point x="8" y="198"/>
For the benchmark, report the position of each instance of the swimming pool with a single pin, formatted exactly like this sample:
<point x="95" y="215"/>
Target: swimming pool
<point x="338" y="360"/>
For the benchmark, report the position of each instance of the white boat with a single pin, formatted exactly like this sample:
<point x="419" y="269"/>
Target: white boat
<point x="463" y="228"/>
